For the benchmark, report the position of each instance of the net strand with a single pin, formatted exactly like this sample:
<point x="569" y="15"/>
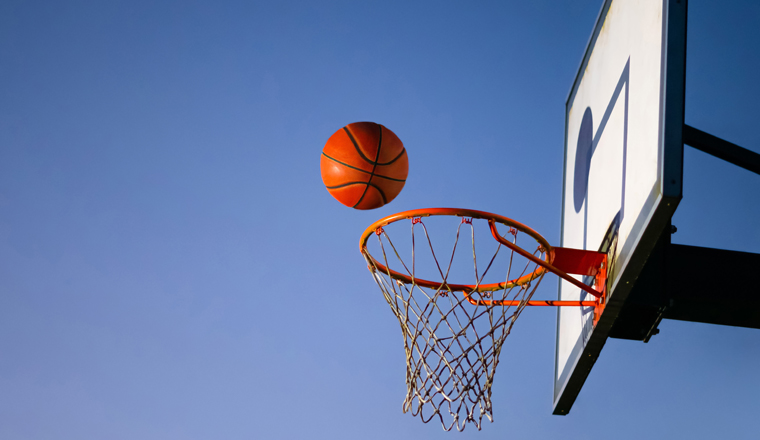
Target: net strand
<point x="452" y="339"/>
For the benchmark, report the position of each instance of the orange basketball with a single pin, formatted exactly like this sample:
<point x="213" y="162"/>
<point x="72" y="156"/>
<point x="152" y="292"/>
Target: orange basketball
<point x="364" y="165"/>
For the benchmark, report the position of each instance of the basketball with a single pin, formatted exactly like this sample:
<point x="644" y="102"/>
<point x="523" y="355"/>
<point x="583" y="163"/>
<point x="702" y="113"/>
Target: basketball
<point x="364" y="165"/>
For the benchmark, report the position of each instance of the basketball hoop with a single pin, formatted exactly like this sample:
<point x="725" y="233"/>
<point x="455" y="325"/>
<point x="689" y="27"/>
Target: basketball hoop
<point x="454" y="332"/>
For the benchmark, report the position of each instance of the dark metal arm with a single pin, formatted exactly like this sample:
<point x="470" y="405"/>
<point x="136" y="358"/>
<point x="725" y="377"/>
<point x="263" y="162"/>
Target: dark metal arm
<point x="742" y="157"/>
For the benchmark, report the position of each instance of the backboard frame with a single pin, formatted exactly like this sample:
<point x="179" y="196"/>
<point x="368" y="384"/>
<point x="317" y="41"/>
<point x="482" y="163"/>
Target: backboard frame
<point x="651" y="221"/>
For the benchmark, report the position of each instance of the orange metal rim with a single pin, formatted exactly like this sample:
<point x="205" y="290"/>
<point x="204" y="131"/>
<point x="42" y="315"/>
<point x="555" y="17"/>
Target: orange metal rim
<point x="464" y="213"/>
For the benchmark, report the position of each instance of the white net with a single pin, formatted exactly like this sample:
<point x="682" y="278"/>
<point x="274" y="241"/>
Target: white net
<point x="453" y="334"/>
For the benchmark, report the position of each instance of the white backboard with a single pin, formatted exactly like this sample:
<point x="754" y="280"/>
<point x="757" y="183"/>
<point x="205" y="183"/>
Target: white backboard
<point x="623" y="164"/>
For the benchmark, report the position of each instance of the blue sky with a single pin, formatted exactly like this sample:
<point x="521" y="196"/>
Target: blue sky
<point x="171" y="266"/>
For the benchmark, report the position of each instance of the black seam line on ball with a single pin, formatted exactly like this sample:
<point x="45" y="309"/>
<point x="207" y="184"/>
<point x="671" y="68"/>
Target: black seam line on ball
<point x="369" y="182"/>
<point x="390" y="178"/>
<point x="361" y="153"/>
<point x="356" y="145"/>
<point x="382" y="194"/>
<point x="346" y="184"/>
<point x="395" y="158"/>
<point x="359" y="169"/>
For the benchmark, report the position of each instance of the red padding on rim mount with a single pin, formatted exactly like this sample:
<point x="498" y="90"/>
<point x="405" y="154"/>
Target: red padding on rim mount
<point x="577" y="261"/>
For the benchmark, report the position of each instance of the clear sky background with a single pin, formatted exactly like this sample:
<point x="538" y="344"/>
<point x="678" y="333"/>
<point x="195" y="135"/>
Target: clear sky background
<point x="171" y="266"/>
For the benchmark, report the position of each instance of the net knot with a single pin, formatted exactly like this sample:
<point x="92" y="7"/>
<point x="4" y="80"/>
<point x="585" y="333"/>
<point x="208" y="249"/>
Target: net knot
<point x="416" y="220"/>
<point x="467" y="220"/>
<point x="513" y="231"/>
<point x="379" y="231"/>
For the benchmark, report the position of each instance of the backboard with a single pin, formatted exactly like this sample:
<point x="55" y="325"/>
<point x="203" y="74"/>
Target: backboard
<point x="623" y="165"/>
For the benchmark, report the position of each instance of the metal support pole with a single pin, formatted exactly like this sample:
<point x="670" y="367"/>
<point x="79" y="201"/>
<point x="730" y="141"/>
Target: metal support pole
<point x="741" y="157"/>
